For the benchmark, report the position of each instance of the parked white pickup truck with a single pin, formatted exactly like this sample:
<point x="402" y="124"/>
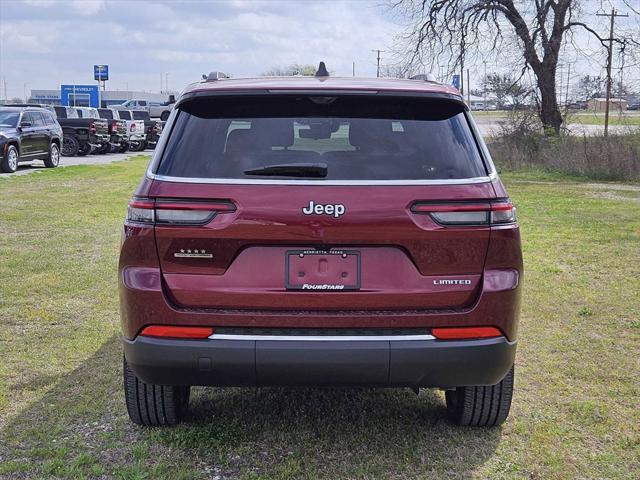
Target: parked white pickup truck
<point x="156" y="109"/>
<point x="136" y="136"/>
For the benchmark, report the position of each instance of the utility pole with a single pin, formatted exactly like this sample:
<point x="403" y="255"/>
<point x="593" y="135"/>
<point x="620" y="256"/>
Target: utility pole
<point x="379" y="52"/>
<point x="353" y="71"/>
<point x="566" y="97"/>
<point x="484" y="85"/>
<point x="621" y="71"/>
<point x="468" y="89"/>
<point x="613" y="16"/>
<point x="166" y="81"/>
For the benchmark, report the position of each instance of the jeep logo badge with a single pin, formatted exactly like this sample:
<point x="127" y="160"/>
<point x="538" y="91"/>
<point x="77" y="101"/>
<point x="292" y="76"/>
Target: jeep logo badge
<point x="313" y="208"/>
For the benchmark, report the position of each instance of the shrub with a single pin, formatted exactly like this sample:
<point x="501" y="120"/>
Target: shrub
<point x="522" y="144"/>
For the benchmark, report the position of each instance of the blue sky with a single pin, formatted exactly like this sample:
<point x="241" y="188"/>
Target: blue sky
<point x="44" y="43"/>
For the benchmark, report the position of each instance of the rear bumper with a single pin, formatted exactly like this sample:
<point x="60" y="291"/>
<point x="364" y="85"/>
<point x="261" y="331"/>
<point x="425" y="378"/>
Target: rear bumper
<point x="359" y="362"/>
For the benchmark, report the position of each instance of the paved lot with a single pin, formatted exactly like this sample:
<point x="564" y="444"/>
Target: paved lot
<point x="37" y="165"/>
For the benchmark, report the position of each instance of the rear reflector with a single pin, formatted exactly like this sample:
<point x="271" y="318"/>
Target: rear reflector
<point x="169" y="331"/>
<point x="465" y="333"/>
<point x="468" y="213"/>
<point x="176" y="212"/>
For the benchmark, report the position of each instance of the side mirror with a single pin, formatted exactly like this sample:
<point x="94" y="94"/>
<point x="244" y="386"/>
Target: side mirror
<point x="25" y="124"/>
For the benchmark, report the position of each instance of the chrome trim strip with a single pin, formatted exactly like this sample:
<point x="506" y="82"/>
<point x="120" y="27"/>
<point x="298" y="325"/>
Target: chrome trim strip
<point x="319" y="183"/>
<point x="322" y="338"/>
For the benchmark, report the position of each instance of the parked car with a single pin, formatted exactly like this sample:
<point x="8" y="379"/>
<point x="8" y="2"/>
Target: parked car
<point x="320" y="231"/>
<point x="152" y="128"/>
<point x="28" y="133"/>
<point x="633" y="106"/>
<point x="103" y="128"/>
<point x="136" y="136"/>
<point x="577" y="106"/>
<point x="155" y="109"/>
<point x="31" y="104"/>
<point x="119" y="138"/>
<point x="80" y="134"/>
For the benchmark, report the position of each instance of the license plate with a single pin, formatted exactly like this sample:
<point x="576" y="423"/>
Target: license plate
<point x="322" y="271"/>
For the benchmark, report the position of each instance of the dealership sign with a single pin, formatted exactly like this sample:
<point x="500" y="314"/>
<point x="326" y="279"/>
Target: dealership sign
<point x="101" y="72"/>
<point x="79" y="95"/>
<point x="455" y="81"/>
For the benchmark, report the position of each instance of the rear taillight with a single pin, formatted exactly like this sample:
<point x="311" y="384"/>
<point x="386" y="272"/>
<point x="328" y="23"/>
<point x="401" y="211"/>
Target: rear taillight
<point x="92" y="128"/>
<point x="114" y="127"/>
<point x="133" y="127"/>
<point x="176" y="212"/>
<point x="170" y="331"/>
<point x="141" y="211"/>
<point x="468" y="213"/>
<point x="465" y="333"/>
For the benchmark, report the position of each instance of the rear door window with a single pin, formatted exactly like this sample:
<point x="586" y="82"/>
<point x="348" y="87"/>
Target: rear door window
<point x="349" y="138"/>
<point x="37" y="120"/>
<point x="124" y="115"/>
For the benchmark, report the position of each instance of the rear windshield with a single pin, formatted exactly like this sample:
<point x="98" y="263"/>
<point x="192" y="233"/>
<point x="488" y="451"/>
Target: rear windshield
<point x="61" y="112"/>
<point x="124" y="115"/>
<point x="324" y="138"/>
<point x="138" y="115"/>
<point x="105" y="113"/>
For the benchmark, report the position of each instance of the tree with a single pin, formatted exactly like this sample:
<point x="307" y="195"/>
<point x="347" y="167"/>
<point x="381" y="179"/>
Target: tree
<point x="507" y="89"/>
<point x="305" y="70"/>
<point x="459" y="26"/>
<point x="591" y="87"/>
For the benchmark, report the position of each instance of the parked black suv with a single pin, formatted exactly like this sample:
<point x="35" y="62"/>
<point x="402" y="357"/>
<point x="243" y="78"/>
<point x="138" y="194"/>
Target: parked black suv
<point x="28" y="133"/>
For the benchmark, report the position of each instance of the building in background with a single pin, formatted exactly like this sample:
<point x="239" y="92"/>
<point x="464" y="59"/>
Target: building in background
<point x="87" y="96"/>
<point x="600" y="104"/>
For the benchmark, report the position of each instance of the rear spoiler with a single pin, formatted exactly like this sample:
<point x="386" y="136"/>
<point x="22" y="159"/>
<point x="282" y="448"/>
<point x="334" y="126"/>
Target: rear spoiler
<point x="186" y="97"/>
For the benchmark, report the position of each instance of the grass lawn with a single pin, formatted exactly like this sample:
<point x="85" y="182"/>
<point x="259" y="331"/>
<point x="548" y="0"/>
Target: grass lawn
<point x="593" y="118"/>
<point x="576" y="411"/>
<point x="631" y="119"/>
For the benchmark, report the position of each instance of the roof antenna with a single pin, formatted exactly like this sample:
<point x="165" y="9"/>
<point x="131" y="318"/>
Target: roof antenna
<point x="322" y="70"/>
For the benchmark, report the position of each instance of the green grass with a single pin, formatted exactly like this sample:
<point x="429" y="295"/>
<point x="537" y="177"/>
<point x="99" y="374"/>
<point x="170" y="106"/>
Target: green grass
<point x="593" y="118"/>
<point x="582" y="117"/>
<point x="575" y="412"/>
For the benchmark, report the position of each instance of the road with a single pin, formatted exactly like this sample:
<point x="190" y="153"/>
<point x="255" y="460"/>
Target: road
<point x="37" y="165"/>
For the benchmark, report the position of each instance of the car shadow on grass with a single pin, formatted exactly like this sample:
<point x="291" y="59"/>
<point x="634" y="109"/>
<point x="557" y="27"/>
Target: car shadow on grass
<point x="243" y="432"/>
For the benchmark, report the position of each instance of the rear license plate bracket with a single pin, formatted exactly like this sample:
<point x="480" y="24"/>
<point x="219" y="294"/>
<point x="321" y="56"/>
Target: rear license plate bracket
<point x="322" y="270"/>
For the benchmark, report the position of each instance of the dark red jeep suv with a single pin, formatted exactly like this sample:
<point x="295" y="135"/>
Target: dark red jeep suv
<point x="316" y="231"/>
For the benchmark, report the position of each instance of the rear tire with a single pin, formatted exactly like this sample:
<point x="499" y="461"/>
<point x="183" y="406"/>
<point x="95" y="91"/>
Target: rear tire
<point x="153" y="405"/>
<point x="481" y="406"/>
<point x="53" y="160"/>
<point x="123" y="148"/>
<point x="10" y="160"/>
<point x="70" y="146"/>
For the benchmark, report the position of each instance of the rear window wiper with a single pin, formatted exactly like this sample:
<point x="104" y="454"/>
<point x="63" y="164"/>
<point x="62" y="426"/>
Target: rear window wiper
<point x="318" y="170"/>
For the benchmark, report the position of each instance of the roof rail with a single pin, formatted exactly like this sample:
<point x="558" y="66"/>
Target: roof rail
<point x="425" y="77"/>
<point x="213" y="76"/>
